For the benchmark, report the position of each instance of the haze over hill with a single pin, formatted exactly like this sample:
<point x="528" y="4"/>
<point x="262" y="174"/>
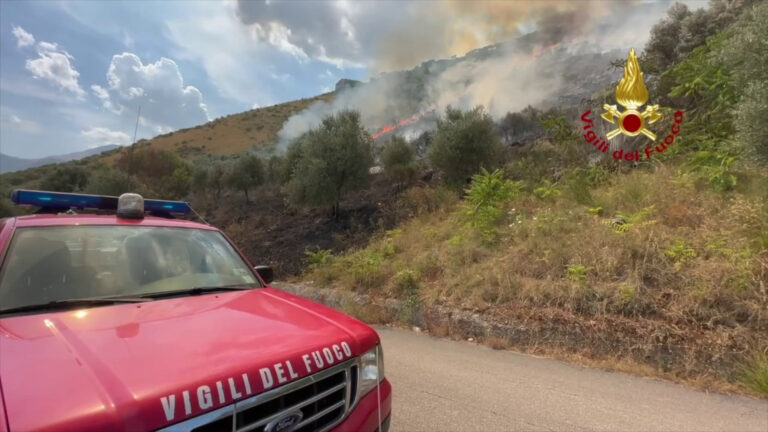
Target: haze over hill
<point x="11" y="163"/>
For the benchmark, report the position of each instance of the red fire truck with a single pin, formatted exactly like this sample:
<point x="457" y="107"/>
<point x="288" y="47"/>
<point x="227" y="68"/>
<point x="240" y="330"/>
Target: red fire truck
<point x="116" y="315"/>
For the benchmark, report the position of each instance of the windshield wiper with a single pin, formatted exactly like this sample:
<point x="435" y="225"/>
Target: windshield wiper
<point x="198" y="290"/>
<point x="75" y="302"/>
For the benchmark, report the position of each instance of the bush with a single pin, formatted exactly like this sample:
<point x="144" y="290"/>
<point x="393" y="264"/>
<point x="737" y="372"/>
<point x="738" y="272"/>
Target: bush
<point x="113" y="182"/>
<point x="464" y="142"/>
<point x="397" y="158"/>
<point x="486" y="198"/>
<point x="245" y="174"/>
<point x="756" y="375"/>
<point x="65" y="178"/>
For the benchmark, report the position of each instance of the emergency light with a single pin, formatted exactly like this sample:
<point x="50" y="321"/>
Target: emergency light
<point x="61" y="200"/>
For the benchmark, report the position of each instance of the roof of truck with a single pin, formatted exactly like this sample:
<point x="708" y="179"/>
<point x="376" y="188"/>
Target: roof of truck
<point x="41" y="220"/>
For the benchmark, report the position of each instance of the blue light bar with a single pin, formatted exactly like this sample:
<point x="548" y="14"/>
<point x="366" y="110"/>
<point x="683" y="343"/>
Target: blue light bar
<point x="61" y="200"/>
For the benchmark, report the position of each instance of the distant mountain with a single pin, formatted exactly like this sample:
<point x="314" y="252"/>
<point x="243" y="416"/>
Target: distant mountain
<point x="11" y="163"/>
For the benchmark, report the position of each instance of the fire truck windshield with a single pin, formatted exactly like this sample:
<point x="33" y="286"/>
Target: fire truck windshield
<point x="50" y="264"/>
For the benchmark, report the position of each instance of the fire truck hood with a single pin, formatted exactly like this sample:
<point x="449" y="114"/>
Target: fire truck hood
<point x="143" y="366"/>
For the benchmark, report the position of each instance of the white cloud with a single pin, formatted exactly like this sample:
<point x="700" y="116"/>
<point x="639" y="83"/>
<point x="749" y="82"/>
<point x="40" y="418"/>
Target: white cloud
<point x="158" y="88"/>
<point x="55" y="66"/>
<point x="26" y="126"/>
<point x="100" y="136"/>
<point x="239" y="72"/>
<point x="23" y="38"/>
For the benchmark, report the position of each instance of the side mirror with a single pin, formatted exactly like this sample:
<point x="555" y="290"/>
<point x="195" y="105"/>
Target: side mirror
<point x="266" y="273"/>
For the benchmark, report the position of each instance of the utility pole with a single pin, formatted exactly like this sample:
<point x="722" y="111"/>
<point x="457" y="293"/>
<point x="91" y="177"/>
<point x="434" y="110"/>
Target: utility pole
<point x="136" y="129"/>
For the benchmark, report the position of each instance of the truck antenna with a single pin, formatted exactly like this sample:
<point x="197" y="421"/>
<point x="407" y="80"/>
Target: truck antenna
<point x="136" y="129"/>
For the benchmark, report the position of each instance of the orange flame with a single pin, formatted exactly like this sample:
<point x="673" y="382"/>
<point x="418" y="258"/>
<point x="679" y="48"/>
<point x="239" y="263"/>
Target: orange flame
<point x="546" y="50"/>
<point x="391" y="128"/>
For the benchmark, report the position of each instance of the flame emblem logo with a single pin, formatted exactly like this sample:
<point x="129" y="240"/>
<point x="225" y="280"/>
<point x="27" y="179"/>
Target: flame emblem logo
<point x="631" y="94"/>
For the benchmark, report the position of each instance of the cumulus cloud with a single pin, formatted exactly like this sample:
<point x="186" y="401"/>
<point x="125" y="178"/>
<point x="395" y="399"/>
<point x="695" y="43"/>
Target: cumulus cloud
<point x="23" y="38"/>
<point x="101" y="136"/>
<point x="55" y="66"/>
<point x="158" y="88"/>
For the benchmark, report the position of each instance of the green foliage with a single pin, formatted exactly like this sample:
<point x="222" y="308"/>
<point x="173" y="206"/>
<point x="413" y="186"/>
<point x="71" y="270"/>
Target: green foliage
<point x="245" y="174"/>
<point x="680" y="253"/>
<point x="7" y="208"/>
<point x="397" y="158"/>
<point x="547" y="191"/>
<point x="756" y="375"/>
<point x="163" y="172"/>
<point x="623" y="222"/>
<point x="330" y="162"/>
<point x="464" y="143"/>
<point x="407" y="286"/>
<point x="486" y="198"/>
<point x="318" y="259"/>
<point x="577" y="272"/>
<point x="65" y="178"/>
<point x="177" y="186"/>
<point x="560" y="131"/>
<point x="113" y="182"/>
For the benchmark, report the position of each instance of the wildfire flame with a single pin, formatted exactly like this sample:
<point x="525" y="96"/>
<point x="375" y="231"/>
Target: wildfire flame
<point x="540" y="52"/>
<point x="391" y="128"/>
<point x="631" y="92"/>
<point x="536" y="53"/>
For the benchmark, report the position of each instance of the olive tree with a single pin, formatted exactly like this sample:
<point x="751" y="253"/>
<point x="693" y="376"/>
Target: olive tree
<point x="397" y="158"/>
<point x="245" y="174"/>
<point x="330" y="161"/>
<point x="463" y="143"/>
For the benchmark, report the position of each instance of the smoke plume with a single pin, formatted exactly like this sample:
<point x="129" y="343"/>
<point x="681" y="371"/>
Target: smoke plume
<point x="545" y="52"/>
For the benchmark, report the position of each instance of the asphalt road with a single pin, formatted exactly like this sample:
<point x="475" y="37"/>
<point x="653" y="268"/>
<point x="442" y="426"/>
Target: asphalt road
<point x="443" y="385"/>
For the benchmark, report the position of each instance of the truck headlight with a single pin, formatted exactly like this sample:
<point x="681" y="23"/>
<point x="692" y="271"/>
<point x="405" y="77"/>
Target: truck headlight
<point x="371" y="370"/>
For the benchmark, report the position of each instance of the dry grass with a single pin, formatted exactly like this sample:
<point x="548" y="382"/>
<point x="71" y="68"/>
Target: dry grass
<point x="236" y="133"/>
<point x="685" y="261"/>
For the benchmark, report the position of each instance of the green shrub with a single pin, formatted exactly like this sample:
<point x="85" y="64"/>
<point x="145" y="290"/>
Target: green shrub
<point x="397" y="158"/>
<point x="577" y="272"/>
<point x="318" y="259"/>
<point x="680" y="253"/>
<point x="756" y="375"/>
<point x="486" y="198"/>
<point x="548" y="191"/>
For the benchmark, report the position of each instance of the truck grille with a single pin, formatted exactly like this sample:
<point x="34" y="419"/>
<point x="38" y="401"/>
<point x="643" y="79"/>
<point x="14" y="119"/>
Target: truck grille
<point x="323" y="399"/>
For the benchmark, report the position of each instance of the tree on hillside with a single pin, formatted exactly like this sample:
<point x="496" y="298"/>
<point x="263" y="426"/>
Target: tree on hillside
<point x="464" y="142"/>
<point x="331" y="161"/>
<point x="216" y="178"/>
<point x="661" y="49"/>
<point x="113" y="182"/>
<point x="397" y="158"/>
<point x="245" y="174"/>
<point x="748" y="57"/>
<point x="65" y="178"/>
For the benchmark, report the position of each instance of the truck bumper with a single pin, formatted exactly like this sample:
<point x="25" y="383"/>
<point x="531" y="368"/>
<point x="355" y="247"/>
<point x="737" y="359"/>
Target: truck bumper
<point x="367" y="414"/>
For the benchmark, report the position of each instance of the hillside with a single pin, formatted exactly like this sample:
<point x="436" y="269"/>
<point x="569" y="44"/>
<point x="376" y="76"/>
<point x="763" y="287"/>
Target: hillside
<point x="236" y="133"/>
<point x="657" y="267"/>
<point x="11" y="163"/>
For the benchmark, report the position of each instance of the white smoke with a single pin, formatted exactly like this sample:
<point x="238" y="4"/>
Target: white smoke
<point x="574" y="47"/>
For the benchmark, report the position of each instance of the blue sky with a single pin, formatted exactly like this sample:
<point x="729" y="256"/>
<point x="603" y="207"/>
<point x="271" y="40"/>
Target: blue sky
<point x="74" y="73"/>
<point x="56" y="96"/>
